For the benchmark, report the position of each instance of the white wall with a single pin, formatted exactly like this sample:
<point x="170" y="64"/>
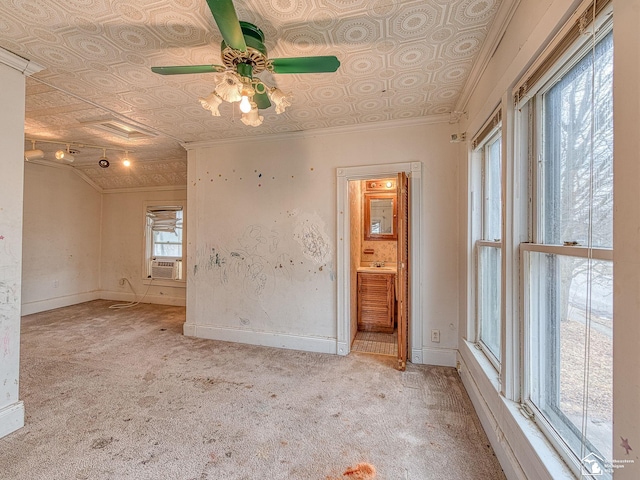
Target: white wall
<point x="626" y="236"/>
<point x="123" y="220"/>
<point x="262" y="233"/>
<point x="61" y="243"/>
<point x="521" y="449"/>
<point x="11" y="191"/>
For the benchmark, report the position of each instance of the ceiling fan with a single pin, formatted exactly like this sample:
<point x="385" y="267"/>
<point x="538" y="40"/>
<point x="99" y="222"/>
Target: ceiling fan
<point x="243" y="56"/>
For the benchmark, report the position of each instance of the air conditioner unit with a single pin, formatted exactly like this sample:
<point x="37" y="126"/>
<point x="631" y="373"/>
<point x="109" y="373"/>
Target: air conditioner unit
<point x="166" y="269"/>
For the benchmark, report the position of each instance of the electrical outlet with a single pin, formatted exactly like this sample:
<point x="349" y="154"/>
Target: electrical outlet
<point x="56" y="283"/>
<point x="435" y="336"/>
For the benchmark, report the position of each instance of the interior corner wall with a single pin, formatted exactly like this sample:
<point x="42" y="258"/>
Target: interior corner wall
<point x="61" y="239"/>
<point x="123" y="227"/>
<point x="262" y="233"/>
<point x="12" y="99"/>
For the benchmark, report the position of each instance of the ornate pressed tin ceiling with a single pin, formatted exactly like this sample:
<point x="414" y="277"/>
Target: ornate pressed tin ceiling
<point x="399" y="60"/>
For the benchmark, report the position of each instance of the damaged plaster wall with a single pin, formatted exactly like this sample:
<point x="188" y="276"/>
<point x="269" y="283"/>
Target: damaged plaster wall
<point x="262" y="232"/>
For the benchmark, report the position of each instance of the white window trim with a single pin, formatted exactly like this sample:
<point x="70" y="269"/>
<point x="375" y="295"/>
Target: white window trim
<point x="146" y="244"/>
<point x="478" y="155"/>
<point x="530" y="136"/>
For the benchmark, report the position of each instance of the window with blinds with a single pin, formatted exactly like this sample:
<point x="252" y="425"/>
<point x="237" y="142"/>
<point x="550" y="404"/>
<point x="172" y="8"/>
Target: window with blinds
<point x="566" y="105"/>
<point x="164" y="241"/>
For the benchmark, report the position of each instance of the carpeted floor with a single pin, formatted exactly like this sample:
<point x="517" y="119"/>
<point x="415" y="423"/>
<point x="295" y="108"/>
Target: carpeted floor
<point x="122" y="394"/>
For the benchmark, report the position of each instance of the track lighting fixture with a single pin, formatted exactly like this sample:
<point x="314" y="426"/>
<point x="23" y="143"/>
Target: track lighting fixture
<point x="72" y="149"/>
<point x="65" y="155"/>
<point x="103" y="162"/>
<point x="33" y="154"/>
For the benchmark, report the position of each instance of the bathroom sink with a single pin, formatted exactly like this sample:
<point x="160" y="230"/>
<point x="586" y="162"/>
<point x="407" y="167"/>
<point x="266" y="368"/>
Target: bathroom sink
<point x="385" y="269"/>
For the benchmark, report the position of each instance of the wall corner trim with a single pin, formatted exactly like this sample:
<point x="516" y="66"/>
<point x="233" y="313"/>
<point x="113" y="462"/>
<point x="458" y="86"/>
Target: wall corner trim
<point x="11" y="418"/>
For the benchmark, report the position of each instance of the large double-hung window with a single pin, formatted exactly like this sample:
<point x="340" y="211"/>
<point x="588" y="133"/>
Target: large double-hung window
<point x="567" y="267"/>
<point x="488" y="246"/>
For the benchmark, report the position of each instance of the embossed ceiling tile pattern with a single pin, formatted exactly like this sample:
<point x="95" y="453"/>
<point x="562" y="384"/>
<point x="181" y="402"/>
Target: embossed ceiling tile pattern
<point x="358" y="31"/>
<point x="414" y="21"/>
<point x="399" y="59"/>
<point x="476" y="11"/>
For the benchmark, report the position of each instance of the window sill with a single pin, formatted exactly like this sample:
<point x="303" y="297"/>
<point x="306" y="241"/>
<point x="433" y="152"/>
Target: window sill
<point x="161" y="282"/>
<point x="523" y="450"/>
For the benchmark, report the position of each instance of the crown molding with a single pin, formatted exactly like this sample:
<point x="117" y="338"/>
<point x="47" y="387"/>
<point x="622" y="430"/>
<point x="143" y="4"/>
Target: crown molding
<point x="24" y="66"/>
<point x="347" y="129"/>
<point x="491" y="43"/>
<point x="165" y="188"/>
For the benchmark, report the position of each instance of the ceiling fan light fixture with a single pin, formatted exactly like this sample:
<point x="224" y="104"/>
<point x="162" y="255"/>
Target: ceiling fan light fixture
<point x="245" y="104"/>
<point x="212" y="103"/>
<point x="253" y="117"/>
<point x="280" y="99"/>
<point x="229" y="88"/>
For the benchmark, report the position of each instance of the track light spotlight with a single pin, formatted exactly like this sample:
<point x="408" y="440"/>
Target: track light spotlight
<point x="33" y="154"/>
<point x="103" y="162"/>
<point x="66" y="156"/>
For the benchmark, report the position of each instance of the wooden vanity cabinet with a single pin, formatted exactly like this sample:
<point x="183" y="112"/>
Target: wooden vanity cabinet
<point x="376" y="301"/>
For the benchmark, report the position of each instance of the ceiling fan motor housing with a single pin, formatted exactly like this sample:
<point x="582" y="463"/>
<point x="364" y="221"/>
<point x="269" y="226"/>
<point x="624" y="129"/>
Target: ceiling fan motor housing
<point x="256" y="53"/>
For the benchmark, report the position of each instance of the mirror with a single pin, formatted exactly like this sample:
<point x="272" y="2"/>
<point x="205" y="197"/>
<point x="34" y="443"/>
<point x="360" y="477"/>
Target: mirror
<point x="380" y="213"/>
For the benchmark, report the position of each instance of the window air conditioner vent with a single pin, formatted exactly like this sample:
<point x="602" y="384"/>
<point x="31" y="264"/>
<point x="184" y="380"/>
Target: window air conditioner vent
<point x="166" y="269"/>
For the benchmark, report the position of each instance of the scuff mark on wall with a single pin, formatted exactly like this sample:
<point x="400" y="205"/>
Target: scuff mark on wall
<point x="5" y="343"/>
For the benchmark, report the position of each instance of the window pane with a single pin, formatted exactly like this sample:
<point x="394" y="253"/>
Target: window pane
<point x="492" y="191"/>
<point x="572" y="348"/>
<point x="578" y="126"/>
<point x="169" y="243"/>
<point x="489" y="271"/>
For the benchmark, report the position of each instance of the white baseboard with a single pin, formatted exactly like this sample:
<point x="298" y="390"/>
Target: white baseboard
<point x="11" y="418"/>
<point x="58" y="302"/>
<point x="267" y="339"/>
<point x="442" y="357"/>
<point x="156" y="299"/>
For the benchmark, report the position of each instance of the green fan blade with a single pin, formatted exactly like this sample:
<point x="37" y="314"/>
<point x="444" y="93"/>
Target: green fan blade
<point x="224" y="13"/>
<point x="262" y="100"/>
<point x="305" y="64"/>
<point x="188" y="69"/>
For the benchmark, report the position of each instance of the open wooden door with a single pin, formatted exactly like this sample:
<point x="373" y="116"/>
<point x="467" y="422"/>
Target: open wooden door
<point x="403" y="269"/>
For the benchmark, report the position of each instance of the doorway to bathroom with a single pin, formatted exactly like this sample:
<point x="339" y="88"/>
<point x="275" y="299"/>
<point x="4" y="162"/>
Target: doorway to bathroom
<point x="378" y="262"/>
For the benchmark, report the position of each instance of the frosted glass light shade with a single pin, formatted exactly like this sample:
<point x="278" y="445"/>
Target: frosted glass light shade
<point x="211" y="103"/>
<point x="253" y="118"/>
<point x="229" y="88"/>
<point x="280" y="99"/>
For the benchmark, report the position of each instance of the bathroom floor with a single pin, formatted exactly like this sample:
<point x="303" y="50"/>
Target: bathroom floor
<point x="374" y="342"/>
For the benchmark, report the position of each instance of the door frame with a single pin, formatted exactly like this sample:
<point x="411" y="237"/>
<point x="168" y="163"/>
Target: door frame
<point x="343" y="266"/>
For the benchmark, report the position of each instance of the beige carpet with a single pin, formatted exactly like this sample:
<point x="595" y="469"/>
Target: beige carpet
<point x="122" y="394"/>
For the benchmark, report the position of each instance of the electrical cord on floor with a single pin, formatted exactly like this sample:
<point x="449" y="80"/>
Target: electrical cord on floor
<point x="117" y="306"/>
